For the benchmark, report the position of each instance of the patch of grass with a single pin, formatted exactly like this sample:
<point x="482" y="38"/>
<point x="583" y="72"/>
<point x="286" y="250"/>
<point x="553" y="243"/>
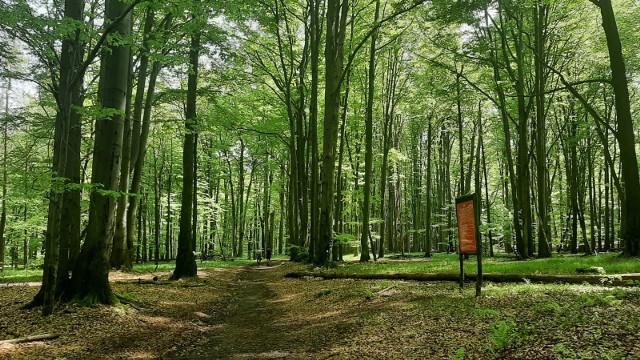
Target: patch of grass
<point x="614" y="355"/>
<point x="486" y="313"/>
<point x="459" y="354"/>
<point x="35" y="275"/>
<point x="449" y="263"/>
<point x="126" y="297"/>
<point x="599" y="299"/>
<point x="17" y="276"/>
<point x="551" y="308"/>
<point x="502" y="335"/>
<point x="324" y="292"/>
<point x="368" y="294"/>
<point x="564" y="351"/>
<point x="170" y="265"/>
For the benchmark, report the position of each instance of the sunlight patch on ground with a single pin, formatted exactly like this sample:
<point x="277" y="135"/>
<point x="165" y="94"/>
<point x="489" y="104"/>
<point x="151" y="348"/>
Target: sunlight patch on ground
<point x="156" y="320"/>
<point x="176" y="303"/>
<point x="289" y="297"/>
<point x="140" y="355"/>
<point x="264" y="355"/>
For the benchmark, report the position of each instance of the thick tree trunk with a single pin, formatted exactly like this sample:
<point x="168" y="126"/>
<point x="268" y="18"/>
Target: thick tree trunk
<point x="91" y="274"/>
<point x="334" y="58"/>
<point x="185" y="260"/>
<point x="119" y="251"/>
<point x="625" y="133"/>
<point x="65" y="98"/>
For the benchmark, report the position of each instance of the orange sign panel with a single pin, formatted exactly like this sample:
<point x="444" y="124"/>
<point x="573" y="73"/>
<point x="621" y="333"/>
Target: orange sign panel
<point x="466" y="227"/>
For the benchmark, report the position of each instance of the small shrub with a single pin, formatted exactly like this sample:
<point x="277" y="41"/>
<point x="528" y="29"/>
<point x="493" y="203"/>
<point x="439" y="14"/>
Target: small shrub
<point x="324" y="292"/>
<point x="126" y="297"/>
<point x="502" y="335"/>
<point x="548" y="308"/>
<point x="459" y="354"/>
<point x="564" y="351"/>
<point x="368" y="294"/>
<point x="486" y="312"/>
<point x="614" y="355"/>
<point x="298" y="254"/>
<point x="599" y="299"/>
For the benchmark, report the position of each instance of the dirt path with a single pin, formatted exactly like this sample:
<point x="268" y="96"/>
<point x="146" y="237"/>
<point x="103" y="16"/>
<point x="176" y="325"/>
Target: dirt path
<point x="253" y="324"/>
<point x="245" y="329"/>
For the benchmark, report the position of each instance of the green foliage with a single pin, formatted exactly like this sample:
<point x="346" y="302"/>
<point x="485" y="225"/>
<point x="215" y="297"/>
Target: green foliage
<point x="126" y="297"/>
<point x="550" y="308"/>
<point x="346" y="239"/>
<point x="324" y="292"/>
<point x="368" y="294"/>
<point x="614" y="355"/>
<point x="459" y="354"/>
<point x="563" y="350"/>
<point x="449" y="263"/>
<point x="298" y="254"/>
<point x="502" y="335"/>
<point x="486" y="313"/>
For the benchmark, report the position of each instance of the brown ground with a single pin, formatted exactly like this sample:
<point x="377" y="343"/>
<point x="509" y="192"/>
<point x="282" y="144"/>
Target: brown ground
<point x="254" y="313"/>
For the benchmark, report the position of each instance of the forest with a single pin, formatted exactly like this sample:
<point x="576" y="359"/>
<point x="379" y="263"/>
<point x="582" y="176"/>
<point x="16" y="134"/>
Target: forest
<point x="184" y="136"/>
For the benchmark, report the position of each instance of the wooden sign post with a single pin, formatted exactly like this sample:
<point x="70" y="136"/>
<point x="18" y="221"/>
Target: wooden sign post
<point x="468" y="215"/>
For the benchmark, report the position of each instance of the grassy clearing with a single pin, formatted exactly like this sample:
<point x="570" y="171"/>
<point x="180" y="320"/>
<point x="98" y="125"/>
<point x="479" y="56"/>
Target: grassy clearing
<point x="170" y="265"/>
<point x="19" y="275"/>
<point x="449" y="263"/>
<point x="35" y="275"/>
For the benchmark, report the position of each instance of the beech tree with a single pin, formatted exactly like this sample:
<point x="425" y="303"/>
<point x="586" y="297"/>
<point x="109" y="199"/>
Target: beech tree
<point x="318" y="129"/>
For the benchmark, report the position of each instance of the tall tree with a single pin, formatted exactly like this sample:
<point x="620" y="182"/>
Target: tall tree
<point x="544" y="230"/>
<point x="185" y="260"/>
<point x="625" y="133"/>
<point x="368" y="157"/>
<point x="337" y="11"/>
<point x="91" y="274"/>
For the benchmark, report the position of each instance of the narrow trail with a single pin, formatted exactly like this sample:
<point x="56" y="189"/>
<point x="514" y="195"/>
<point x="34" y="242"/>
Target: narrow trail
<point x="246" y="331"/>
<point x="250" y="325"/>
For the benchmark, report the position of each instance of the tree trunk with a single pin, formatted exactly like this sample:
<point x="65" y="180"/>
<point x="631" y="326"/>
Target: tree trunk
<point x="185" y="260"/>
<point x="90" y="278"/>
<point x="544" y="230"/>
<point x="3" y="216"/>
<point x="368" y="148"/>
<point x="429" y="201"/>
<point x="334" y="58"/>
<point x="625" y="133"/>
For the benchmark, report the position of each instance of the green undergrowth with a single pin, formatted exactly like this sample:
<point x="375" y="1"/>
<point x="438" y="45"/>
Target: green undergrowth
<point x="35" y="275"/>
<point x="170" y="265"/>
<point x="569" y="319"/>
<point x="19" y="275"/>
<point x="449" y="263"/>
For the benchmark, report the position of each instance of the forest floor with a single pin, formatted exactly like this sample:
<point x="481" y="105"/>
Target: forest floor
<point x="253" y="312"/>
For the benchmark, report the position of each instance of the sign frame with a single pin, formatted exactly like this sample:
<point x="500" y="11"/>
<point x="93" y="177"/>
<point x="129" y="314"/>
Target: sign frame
<point x="473" y="198"/>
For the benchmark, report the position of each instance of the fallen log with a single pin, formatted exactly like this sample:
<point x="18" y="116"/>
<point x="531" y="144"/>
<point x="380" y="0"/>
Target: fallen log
<point x="611" y="280"/>
<point x="29" y="339"/>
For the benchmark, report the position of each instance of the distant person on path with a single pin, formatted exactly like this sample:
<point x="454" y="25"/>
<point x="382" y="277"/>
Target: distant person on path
<point x="268" y="255"/>
<point x="259" y="257"/>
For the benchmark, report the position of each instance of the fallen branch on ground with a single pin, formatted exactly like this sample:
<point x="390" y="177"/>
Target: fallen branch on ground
<point x="613" y="280"/>
<point x="30" y="339"/>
